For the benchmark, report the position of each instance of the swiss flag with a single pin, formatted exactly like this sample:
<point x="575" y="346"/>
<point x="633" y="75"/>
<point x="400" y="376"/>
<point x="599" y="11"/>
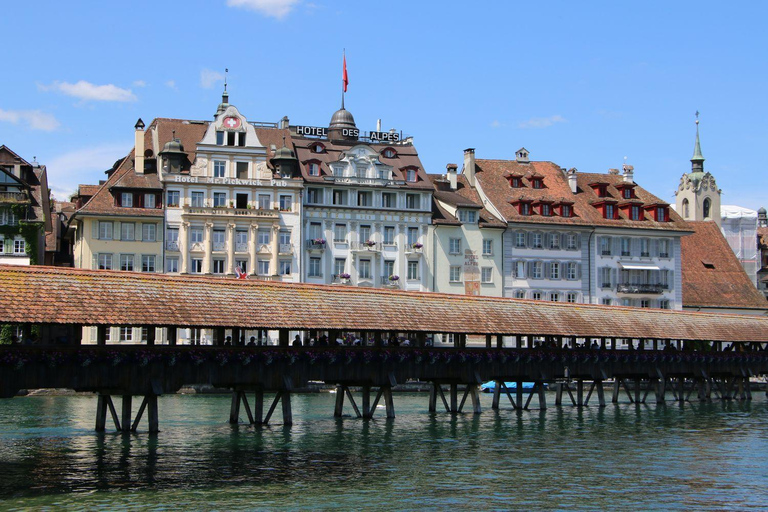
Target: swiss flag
<point x="344" y="76"/>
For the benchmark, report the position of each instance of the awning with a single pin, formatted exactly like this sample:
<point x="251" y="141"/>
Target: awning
<point x="638" y="266"/>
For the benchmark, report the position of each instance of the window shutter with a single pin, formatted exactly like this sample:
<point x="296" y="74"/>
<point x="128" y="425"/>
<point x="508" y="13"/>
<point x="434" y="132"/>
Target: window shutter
<point x="655" y="248"/>
<point x="117" y="233"/>
<point x="578" y="270"/>
<point x="563" y="240"/>
<point x="545" y="240"/>
<point x="670" y="279"/>
<point x="138" y="232"/>
<point x="616" y="246"/>
<point x="547" y="270"/>
<point x="94" y="262"/>
<point x="634" y="247"/>
<point x="578" y="240"/>
<point x="158" y="233"/>
<point x="529" y="269"/>
<point x="95" y="229"/>
<point x="530" y="240"/>
<point x="613" y="277"/>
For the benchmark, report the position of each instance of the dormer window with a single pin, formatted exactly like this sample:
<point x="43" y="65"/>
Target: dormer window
<point x="634" y="211"/>
<point x="313" y="168"/>
<point x="661" y="214"/>
<point x="126" y="200"/>
<point x="601" y="189"/>
<point x="610" y="211"/>
<point x="317" y="148"/>
<point x="523" y="207"/>
<point x="546" y="210"/>
<point x="626" y="193"/>
<point x="515" y="182"/>
<point x="566" y="210"/>
<point x="389" y="153"/>
<point x="411" y="175"/>
<point x="537" y="182"/>
<point x="219" y="138"/>
<point x="468" y="216"/>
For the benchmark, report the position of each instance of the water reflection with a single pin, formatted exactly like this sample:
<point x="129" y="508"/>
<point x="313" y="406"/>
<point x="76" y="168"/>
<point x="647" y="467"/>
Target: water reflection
<point x="694" y="455"/>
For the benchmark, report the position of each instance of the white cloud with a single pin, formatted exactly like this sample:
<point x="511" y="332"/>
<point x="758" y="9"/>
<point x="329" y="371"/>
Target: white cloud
<point x="275" y="8"/>
<point x="34" y="119"/>
<point x="68" y="170"/>
<point x="208" y="78"/>
<point x="496" y="124"/>
<point x="139" y="83"/>
<point x="171" y="84"/>
<point x="542" y="122"/>
<point x="88" y="91"/>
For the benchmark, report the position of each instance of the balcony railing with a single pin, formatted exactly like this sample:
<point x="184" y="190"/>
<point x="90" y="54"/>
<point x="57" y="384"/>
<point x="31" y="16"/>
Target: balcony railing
<point x="641" y="288"/>
<point x="390" y="283"/>
<point x="172" y="245"/>
<point x="414" y="249"/>
<point x="13" y="197"/>
<point x="313" y="245"/>
<point x="340" y="279"/>
<point x="219" y="246"/>
<point x="285" y="249"/>
<point x="257" y="213"/>
<point x="366" y="246"/>
<point x="241" y="247"/>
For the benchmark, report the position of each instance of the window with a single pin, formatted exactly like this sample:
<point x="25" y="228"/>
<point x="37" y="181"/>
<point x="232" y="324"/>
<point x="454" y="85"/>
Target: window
<point x="519" y="294"/>
<point x="411" y="201"/>
<point x="364" y="198"/>
<point x="486" y="274"/>
<point x="626" y="193"/>
<point x="2" y="245"/>
<point x="605" y="277"/>
<point x="198" y="199"/>
<point x="242" y="170"/>
<point x="338" y="171"/>
<point x="105" y="230"/>
<point x="264" y="202"/>
<point x="219" y="168"/>
<point x="127" y="230"/>
<point x="126" y="199"/>
<point x="645" y="250"/>
<point x="413" y="236"/>
<point x="663" y="304"/>
<point x="364" y="269"/>
<point x="410" y="175"/>
<point x="105" y="261"/>
<point x="285" y="267"/>
<point x="149" y="200"/>
<point x="315" y="230"/>
<point x="148" y="263"/>
<point x="219" y="199"/>
<point x="525" y="209"/>
<point x="242" y="266"/>
<point x="263" y="237"/>
<point x="554" y="240"/>
<point x="172" y="265"/>
<point x="537" y="183"/>
<point x="315" y="269"/>
<point x="554" y="270"/>
<point x="536" y="295"/>
<point x="625" y="247"/>
<point x="645" y="303"/>
<point x="340" y="233"/>
<point x="388" y="200"/>
<point x="285" y="203"/>
<point x="314" y="195"/>
<point x="455" y="246"/>
<point x="126" y="334"/>
<point x="218" y="266"/>
<point x="389" y="269"/>
<point x="520" y="239"/>
<point x="519" y="269"/>
<point x="241" y="237"/>
<point x="515" y="182"/>
<point x="219" y="239"/>
<point x="365" y="233"/>
<point x="172" y="198"/>
<point x="285" y="238"/>
<point x="565" y="210"/>
<point x="610" y="212"/>
<point x="606" y="301"/>
<point x="148" y="232"/>
<point x="634" y="212"/>
<point x="263" y="267"/>
<point x="605" y="246"/>
<point x="537" y="270"/>
<point x="546" y="210"/>
<point x="389" y="234"/>
<point x="197" y="265"/>
<point x="554" y="297"/>
<point x="339" y="197"/>
<point x="536" y="240"/>
<point x="19" y="247"/>
<point x="686" y="209"/>
<point x="661" y="214"/>
<point x="455" y="274"/>
<point x="572" y="241"/>
<point x="413" y="270"/>
<point x="196" y="235"/>
<point x="572" y="271"/>
<point x="126" y="262"/>
<point x="389" y="153"/>
<point x="339" y="264"/>
<point x="664" y="249"/>
<point x="219" y="138"/>
<point x="572" y="297"/>
<point x="468" y="216"/>
<point x="487" y="247"/>
<point x="317" y="148"/>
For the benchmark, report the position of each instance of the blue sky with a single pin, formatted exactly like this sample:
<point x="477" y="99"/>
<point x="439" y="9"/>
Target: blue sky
<point x="583" y="84"/>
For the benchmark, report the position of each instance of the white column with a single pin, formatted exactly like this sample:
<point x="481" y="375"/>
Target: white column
<point x="254" y="232"/>
<point x="184" y="246"/>
<point x="230" y="248"/>
<point x="275" y="248"/>
<point x="208" y="243"/>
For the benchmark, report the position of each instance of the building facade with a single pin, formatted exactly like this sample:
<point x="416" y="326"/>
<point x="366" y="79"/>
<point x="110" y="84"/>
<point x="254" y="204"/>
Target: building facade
<point x="367" y="206"/>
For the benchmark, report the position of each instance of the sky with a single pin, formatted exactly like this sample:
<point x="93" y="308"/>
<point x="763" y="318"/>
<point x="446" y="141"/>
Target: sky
<point x="589" y="85"/>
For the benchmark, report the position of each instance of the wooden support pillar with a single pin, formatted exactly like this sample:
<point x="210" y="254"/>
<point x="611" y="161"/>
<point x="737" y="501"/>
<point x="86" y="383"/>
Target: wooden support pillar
<point x="152" y="415"/>
<point x="101" y="334"/>
<point x="101" y="413"/>
<point x="454" y="398"/>
<point x="637" y="388"/>
<point x="600" y="393"/>
<point x="558" y="394"/>
<point x="339" y="409"/>
<point x="616" y="390"/>
<point x="388" y="402"/>
<point x="236" y="333"/>
<point x="580" y="392"/>
<point x="283" y="338"/>
<point x="499" y="341"/>
<point x="681" y="392"/>
<point x="367" y="413"/>
<point x="218" y="335"/>
<point x="496" y="395"/>
<point x="151" y="335"/>
<point x="234" y="408"/>
<point x="377" y="339"/>
<point x="488" y="341"/>
<point x="433" y="397"/>
<point x="519" y="393"/>
<point x="421" y="339"/>
<point x="77" y="335"/>
<point x="474" y="394"/>
<point x="171" y="335"/>
<point x="125" y="419"/>
<point x="287" y="412"/>
<point x="258" y="406"/>
<point x="661" y="390"/>
<point x="542" y="396"/>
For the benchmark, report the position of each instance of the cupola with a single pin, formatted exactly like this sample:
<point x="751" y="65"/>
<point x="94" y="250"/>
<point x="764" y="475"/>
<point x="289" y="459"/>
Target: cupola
<point x="173" y="155"/>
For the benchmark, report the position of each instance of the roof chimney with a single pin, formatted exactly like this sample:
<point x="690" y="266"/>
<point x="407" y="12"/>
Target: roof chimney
<point x="572" y="179"/>
<point x="629" y="173"/>
<point x="469" y="166"/>
<point x="451" y="175"/>
<point x="284" y="123"/>
<point x="378" y="125"/>
<point x="138" y="147"/>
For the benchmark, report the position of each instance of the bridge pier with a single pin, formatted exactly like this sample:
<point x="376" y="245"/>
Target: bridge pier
<point x="105" y="404"/>
<point x="369" y="409"/>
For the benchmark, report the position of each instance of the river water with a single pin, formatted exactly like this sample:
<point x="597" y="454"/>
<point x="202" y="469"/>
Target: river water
<point x="695" y="456"/>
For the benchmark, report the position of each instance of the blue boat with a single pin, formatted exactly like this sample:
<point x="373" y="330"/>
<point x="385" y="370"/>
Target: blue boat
<point x="490" y="386"/>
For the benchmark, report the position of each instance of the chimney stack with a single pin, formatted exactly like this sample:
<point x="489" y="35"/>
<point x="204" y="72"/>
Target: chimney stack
<point x="451" y="175"/>
<point x="572" y="180"/>
<point x="629" y="173"/>
<point x="138" y="147"/>
<point x="284" y="123"/>
<point x="469" y="166"/>
<point x="378" y="125"/>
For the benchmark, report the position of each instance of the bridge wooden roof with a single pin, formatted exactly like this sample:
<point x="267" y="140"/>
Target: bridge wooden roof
<point x="96" y="297"/>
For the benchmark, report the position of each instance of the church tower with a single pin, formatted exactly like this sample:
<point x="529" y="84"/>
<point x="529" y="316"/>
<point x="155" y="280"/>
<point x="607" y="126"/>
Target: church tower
<point x="698" y="197"/>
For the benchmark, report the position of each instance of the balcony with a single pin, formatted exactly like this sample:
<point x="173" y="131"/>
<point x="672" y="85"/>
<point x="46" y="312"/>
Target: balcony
<point x="340" y="279"/>
<point x="265" y="278"/>
<point x="172" y="245"/>
<point x="416" y="249"/>
<point x="386" y="282"/>
<point x="249" y="213"/>
<point x="241" y="247"/>
<point x="316" y="245"/>
<point x="367" y="246"/>
<point x="285" y="249"/>
<point x="641" y="288"/>
<point x="219" y="246"/>
<point x="13" y="197"/>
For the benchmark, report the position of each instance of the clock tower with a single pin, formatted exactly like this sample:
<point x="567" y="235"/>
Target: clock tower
<point x="698" y="197"/>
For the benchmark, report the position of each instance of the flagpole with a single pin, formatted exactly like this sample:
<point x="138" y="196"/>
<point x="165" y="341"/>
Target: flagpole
<point x="344" y="60"/>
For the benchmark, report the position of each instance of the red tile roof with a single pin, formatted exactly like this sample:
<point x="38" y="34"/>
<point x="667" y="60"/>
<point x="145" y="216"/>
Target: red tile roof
<point x="464" y="196"/>
<point x="493" y="174"/>
<point x="94" y="297"/>
<point x="712" y="275"/>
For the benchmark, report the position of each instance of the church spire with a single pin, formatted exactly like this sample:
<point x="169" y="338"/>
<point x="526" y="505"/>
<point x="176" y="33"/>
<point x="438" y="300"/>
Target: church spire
<point x="697" y="162"/>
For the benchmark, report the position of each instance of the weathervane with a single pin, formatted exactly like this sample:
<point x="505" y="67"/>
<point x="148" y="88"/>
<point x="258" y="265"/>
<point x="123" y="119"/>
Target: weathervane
<point x="226" y="70"/>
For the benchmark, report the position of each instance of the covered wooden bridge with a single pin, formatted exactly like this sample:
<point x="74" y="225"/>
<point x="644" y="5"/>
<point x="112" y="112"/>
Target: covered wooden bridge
<point x="524" y="341"/>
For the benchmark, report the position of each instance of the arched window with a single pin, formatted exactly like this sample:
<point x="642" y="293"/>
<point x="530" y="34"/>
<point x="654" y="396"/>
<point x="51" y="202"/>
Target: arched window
<point x="686" y="210"/>
<point x="707" y="207"/>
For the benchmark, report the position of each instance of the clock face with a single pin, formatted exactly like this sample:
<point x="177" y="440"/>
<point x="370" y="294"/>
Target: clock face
<point x="231" y="122"/>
